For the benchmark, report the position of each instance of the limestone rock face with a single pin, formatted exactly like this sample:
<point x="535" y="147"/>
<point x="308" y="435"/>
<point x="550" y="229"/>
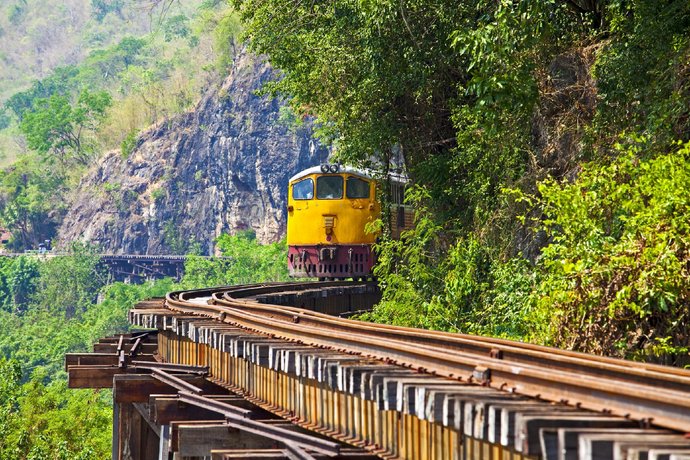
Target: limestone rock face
<point x="222" y="168"/>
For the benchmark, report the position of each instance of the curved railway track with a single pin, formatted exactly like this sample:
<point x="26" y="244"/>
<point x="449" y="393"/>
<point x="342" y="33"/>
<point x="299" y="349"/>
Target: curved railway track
<point x="650" y="394"/>
<point x="221" y="372"/>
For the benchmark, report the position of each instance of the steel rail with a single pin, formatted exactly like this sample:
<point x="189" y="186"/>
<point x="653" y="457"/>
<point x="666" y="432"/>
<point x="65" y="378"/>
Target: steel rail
<point x="519" y="352"/>
<point x="668" y="407"/>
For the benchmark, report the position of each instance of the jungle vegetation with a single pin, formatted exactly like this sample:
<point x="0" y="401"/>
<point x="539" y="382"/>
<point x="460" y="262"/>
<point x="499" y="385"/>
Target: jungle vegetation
<point x="49" y="307"/>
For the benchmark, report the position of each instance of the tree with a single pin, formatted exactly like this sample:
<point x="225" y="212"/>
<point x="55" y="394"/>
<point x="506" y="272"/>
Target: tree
<point x="56" y="126"/>
<point x="61" y="81"/>
<point x="29" y="199"/>
<point x="21" y="277"/>
<point x="176" y="26"/>
<point x="71" y="283"/>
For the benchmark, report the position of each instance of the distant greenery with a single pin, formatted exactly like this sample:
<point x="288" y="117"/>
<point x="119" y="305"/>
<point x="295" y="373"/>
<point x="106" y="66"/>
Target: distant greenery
<point x="39" y="420"/>
<point x="49" y="308"/>
<point x="247" y="262"/>
<point x="31" y="196"/>
<point x="63" y="304"/>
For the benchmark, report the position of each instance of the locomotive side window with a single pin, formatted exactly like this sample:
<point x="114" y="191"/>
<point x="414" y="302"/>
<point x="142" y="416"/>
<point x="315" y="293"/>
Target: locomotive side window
<point x="357" y="188"/>
<point x="329" y="187"/>
<point x="303" y="190"/>
<point x="397" y="193"/>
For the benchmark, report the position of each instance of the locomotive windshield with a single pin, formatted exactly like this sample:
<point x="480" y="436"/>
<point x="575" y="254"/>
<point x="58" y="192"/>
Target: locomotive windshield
<point x="329" y="187"/>
<point x="303" y="190"/>
<point x="357" y="188"/>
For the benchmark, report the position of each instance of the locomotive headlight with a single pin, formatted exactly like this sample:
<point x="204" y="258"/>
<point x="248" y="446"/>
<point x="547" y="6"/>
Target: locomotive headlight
<point x="334" y="168"/>
<point x="324" y="168"/>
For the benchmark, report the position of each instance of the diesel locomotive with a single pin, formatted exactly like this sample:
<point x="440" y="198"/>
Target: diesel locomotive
<point x="328" y="209"/>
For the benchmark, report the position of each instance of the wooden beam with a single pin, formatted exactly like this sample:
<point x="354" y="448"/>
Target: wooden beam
<point x="144" y="348"/>
<point x="236" y="454"/>
<point x="139" y="387"/>
<point x="92" y="376"/>
<point x="192" y="439"/>
<point x="99" y="359"/>
<point x="166" y="409"/>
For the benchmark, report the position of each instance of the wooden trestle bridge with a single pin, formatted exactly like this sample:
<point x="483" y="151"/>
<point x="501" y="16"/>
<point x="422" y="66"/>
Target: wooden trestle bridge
<point x="277" y="371"/>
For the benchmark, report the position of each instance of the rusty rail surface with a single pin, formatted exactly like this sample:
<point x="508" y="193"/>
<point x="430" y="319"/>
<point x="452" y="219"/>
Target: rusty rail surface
<point x="652" y="394"/>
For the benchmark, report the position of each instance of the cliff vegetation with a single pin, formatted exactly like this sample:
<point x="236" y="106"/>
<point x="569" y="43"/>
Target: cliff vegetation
<point x="82" y="77"/>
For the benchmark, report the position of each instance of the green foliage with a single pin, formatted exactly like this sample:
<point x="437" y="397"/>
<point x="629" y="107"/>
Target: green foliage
<point x="173" y="239"/>
<point x="109" y="316"/>
<point x="55" y="125"/>
<point x="71" y="283"/>
<point x="103" y="66"/>
<point x="29" y="194"/>
<point x="129" y="143"/>
<point x="176" y="27"/>
<point x="49" y="421"/>
<point x="478" y="97"/>
<point x="375" y="73"/>
<point x="18" y="279"/>
<point x="642" y="72"/>
<point x="17" y="12"/>
<point x="614" y="277"/>
<point x="158" y="195"/>
<point x="60" y="82"/>
<point x="225" y="33"/>
<point x="5" y="119"/>
<point x="461" y="289"/>
<point x="10" y="378"/>
<point x="39" y="416"/>
<point x="245" y="261"/>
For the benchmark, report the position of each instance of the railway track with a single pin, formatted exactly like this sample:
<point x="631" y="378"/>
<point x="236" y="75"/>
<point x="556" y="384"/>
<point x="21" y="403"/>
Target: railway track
<point x="409" y="393"/>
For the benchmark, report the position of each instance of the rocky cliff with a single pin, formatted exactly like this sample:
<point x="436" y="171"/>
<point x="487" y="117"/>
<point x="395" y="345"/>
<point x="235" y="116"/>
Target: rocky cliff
<point x="222" y="168"/>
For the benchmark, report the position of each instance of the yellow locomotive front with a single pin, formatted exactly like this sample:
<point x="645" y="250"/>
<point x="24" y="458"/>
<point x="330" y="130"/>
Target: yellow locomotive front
<point x="328" y="209"/>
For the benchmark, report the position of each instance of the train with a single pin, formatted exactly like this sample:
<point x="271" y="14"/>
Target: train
<point x="329" y="207"/>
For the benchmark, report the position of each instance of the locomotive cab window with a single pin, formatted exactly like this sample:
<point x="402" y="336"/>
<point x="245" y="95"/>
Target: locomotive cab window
<point x="357" y="188"/>
<point x="303" y="190"/>
<point x="329" y="187"/>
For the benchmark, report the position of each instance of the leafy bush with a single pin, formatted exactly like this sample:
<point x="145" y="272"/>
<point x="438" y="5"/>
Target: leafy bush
<point x="129" y="143"/>
<point x="30" y="195"/>
<point x="18" y="278"/>
<point x="71" y="283"/>
<point x="39" y="420"/>
<point x="642" y="72"/>
<point x="614" y="277"/>
<point x="461" y="290"/>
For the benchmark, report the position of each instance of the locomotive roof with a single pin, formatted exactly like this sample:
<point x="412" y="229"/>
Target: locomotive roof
<point x="366" y="173"/>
